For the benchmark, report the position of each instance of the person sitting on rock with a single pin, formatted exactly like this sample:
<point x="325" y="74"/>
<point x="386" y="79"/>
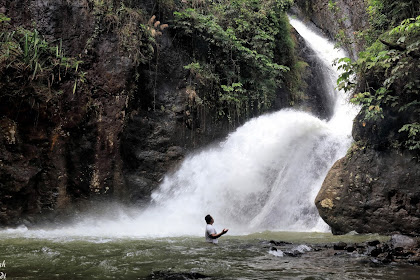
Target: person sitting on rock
<point x="211" y="233"/>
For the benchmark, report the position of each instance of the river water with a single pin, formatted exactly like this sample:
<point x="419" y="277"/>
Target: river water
<point x="260" y="182"/>
<point x="236" y="257"/>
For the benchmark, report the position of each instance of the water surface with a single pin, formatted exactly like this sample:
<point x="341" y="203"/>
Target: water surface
<point x="236" y="257"/>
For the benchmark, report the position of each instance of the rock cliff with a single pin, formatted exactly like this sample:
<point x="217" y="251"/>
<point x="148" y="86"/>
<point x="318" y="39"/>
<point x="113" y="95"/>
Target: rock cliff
<point x="132" y="120"/>
<point x="129" y="123"/>
<point x="65" y="147"/>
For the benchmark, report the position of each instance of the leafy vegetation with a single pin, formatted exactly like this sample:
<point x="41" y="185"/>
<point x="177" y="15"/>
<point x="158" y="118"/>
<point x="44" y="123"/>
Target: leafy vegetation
<point x="30" y="66"/>
<point x="243" y="53"/>
<point x="136" y="33"/>
<point x="386" y="13"/>
<point x="388" y="71"/>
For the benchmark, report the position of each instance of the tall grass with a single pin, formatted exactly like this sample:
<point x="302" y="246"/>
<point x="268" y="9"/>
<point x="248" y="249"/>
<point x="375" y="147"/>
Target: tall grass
<point x="26" y="57"/>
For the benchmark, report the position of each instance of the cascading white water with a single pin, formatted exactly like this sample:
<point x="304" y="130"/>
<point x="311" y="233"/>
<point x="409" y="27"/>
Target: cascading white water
<point x="264" y="176"/>
<point x="344" y="112"/>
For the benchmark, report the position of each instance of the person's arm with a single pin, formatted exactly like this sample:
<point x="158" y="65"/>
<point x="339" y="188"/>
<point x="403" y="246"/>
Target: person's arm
<point x="217" y="235"/>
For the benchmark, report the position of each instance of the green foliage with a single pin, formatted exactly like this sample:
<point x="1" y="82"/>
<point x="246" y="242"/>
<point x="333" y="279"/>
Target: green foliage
<point x="29" y="65"/>
<point x="384" y="14"/>
<point x="3" y="18"/>
<point x="377" y="18"/>
<point x="413" y="130"/>
<point x="136" y="33"/>
<point x="342" y="38"/>
<point x="388" y="73"/>
<point x="242" y="40"/>
<point x="332" y="6"/>
<point x="203" y="73"/>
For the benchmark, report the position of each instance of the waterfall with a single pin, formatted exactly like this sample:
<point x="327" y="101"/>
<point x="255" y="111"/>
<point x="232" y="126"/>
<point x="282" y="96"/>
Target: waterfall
<point x="264" y="176"/>
<point x="344" y="113"/>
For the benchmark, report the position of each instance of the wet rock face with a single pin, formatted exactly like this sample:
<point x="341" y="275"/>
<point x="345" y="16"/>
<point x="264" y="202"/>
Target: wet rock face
<point x="382" y="134"/>
<point x="371" y="191"/>
<point x="165" y="123"/>
<point x="56" y="152"/>
<point x="116" y="137"/>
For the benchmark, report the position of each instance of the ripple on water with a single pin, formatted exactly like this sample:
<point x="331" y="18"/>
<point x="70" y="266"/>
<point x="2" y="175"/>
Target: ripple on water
<point x="244" y="257"/>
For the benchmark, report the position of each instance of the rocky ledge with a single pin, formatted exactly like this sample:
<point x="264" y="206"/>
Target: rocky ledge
<point x="400" y="249"/>
<point x="371" y="191"/>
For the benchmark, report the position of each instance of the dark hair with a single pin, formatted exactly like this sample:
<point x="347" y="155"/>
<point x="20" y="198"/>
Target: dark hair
<point x="208" y="219"/>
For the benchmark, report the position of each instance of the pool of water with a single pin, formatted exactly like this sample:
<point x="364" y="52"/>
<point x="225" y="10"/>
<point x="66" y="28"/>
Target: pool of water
<point x="236" y="257"/>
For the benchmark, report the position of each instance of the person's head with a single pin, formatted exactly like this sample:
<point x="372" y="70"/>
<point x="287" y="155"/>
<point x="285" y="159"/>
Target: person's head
<point x="209" y="219"/>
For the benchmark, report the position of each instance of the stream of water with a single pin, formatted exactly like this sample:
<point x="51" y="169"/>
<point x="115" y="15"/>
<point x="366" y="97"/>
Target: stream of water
<point x="260" y="182"/>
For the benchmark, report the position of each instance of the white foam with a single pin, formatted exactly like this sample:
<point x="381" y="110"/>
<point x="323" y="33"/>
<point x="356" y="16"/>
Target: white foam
<point x="277" y="253"/>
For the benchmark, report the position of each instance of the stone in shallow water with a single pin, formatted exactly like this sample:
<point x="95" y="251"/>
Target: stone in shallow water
<point x="340" y="246"/>
<point x="373" y="243"/>
<point x="398" y="240"/>
<point x="351" y="248"/>
<point x="279" y="243"/>
<point x="175" y="275"/>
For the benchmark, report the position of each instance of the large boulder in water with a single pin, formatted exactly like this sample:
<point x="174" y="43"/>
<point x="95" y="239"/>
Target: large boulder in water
<point x="372" y="191"/>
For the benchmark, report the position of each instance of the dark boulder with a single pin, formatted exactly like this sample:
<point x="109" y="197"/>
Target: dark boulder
<point x="175" y="275"/>
<point x="279" y="243"/>
<point x="340" y="246"/>
<point x="371" y="191"/>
